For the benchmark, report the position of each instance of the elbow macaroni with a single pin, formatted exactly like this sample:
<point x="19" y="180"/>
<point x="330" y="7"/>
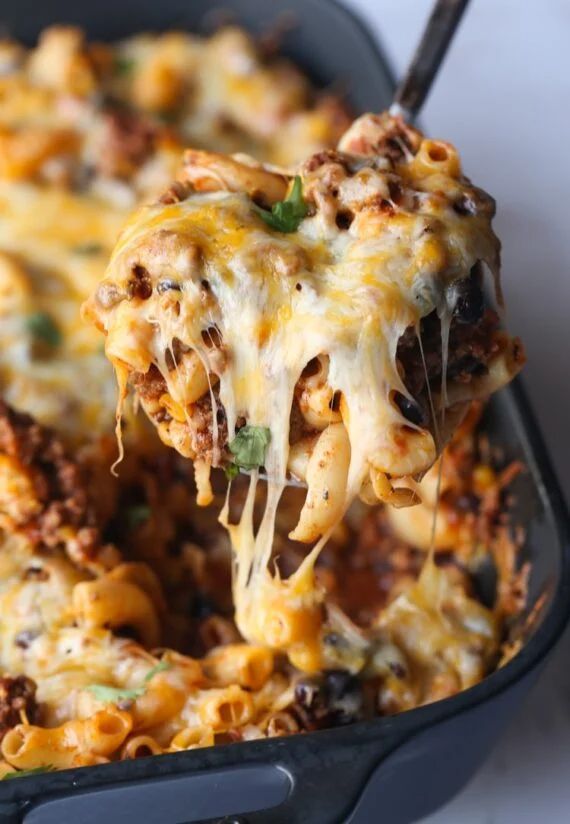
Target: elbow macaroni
<point x="107" y="602"/>
<point x="303" y="329"/>
<point x="74" y="744"/>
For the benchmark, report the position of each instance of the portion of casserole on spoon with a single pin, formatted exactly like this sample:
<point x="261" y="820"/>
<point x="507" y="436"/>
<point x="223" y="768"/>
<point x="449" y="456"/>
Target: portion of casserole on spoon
<point x="325" y="325"/>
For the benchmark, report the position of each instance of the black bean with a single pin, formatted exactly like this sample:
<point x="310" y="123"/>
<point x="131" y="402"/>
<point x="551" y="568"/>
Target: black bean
<point x="330" y="699"/>
<point x="467" y="297"/>
<point x="167" y="285"/>
<point x="410" y="409"/>
<point x="338" y="682"/>
<point x="465" y="206"/>
<point x="344" y="219"/>
<point x="202" y="606"/>
<point x="344" y="696"/>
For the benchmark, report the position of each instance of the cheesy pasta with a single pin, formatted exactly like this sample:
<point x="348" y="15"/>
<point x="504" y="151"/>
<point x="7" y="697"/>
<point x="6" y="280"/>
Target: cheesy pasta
<point x="117" y="631"/>
<point x="296" y="321"/>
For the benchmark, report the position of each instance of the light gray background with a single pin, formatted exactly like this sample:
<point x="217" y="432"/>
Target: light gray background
<point x="503" y="98"/>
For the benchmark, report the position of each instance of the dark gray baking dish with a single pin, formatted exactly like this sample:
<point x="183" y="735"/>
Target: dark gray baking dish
<point x="392" y="770"/>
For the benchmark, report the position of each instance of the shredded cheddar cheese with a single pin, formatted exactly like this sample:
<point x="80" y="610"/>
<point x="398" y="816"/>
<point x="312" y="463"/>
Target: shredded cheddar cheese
<point x="280" y="293"/>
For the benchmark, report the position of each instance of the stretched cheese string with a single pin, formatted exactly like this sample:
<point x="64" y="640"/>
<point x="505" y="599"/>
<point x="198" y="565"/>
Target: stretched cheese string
<point x="122" y="375"/>
<point x="429" y="580"/>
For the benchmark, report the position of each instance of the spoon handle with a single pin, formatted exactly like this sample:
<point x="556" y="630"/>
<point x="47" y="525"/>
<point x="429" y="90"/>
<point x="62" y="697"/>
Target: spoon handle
<point x="416" y="83"/>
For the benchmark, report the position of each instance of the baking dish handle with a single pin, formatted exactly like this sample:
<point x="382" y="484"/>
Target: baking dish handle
<point x="183" y="799"/>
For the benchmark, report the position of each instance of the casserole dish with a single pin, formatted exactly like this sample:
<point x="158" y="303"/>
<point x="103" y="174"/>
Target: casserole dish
<point x="339" y="774"/>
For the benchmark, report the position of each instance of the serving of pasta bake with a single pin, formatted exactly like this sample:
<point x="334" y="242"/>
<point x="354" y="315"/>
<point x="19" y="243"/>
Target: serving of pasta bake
<point x="293" y="530"/>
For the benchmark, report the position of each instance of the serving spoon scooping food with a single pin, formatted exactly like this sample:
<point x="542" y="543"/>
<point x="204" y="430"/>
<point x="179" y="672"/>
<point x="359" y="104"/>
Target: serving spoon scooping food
<point x="416" y="83"/>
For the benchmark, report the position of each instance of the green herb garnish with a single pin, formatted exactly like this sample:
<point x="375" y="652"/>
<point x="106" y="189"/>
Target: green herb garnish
<point x="113" y="695"/>
<point x="26" y="773"/>
<point x="249" y="445"/>
<point x="232" y="471"/>
<point x="43" y="328"/>
<point x="168" y="118"/>
<point x="137" y="514"/>
<point x="87" y="248"/>
<point x="124" y="65"/>
<point x="286" y="215"/>
<point x="162" y="666"/>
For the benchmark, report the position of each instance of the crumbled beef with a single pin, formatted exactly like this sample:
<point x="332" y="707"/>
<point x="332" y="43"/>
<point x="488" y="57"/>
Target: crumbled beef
<point x="202" y="426"/>
<point x="126" y="142"/>
<point x="471" y="346"/>
<point x="140" y="284"/>
<point x="61" y="513"/>
<point x="324" y="157"/>
<point x="382" y="136"/>
<point x="17" y="702"/>
<point x="149" y="385"/>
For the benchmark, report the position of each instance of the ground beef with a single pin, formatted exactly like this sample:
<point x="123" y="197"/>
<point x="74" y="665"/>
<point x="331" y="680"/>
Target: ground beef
<point x="57" y="482"/>
<point x="389" y="137"/>
<point x="127" y="140"/>
<point x="201" y="423"/>
<point x="17" y="702"/>
<point x="471" y="347"/>
<point x="149" y="385"/>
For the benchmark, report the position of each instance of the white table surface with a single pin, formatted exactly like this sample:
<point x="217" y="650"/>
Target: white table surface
<point x="503" y="98"/>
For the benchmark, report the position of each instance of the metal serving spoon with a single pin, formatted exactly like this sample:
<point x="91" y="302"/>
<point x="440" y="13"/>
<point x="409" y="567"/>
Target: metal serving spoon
<point x="416" y="83"/>
<point x="434" y="42"/>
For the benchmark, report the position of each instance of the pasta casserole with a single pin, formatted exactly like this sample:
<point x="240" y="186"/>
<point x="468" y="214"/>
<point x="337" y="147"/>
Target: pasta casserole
<point x="315" y="319"/>
<point x="284" y="340"/>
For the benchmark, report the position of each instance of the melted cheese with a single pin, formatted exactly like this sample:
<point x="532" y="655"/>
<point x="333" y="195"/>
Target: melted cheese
<point x="58" y="198"/>
<point x="71" y="170"/>
<point x="42" y="232"/>
<point x="281" y="300"/>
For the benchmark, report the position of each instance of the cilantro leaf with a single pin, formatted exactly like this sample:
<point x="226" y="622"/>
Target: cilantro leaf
<point x="249" y="446"/>
<point x="232" y="471"/>
<point x="162" y="666"/>
<point x="88" y="248"/>
<point x="43" y="328"/>
<point x="124" y="65"/>
<point x="26" y="773"/>
<point x="112" y="695"/>
<point x="286" y="215"/>
<point x="137" y="514"/>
